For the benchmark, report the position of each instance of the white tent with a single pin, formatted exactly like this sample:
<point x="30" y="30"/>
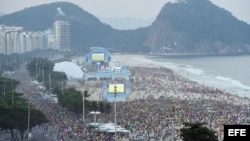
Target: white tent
<point x="108" y="127"/>
<point x="70" y="69"/>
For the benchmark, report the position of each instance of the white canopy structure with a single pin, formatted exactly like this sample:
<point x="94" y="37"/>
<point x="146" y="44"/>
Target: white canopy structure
<point x="108" y="127"/>
<point x="70" y="69"/>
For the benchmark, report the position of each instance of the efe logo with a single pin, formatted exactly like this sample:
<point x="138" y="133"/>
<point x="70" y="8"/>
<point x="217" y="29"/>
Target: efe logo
<point x="236" y="132"/>
<point x="233" y="132"/>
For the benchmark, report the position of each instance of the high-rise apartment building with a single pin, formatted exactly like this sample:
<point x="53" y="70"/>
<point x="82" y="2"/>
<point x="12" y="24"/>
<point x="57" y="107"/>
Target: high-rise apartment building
<point x="62" y="35"/>
<point x="51" y="41"/>
<point x="9" y="39"/>
<point x="15" y="40"/>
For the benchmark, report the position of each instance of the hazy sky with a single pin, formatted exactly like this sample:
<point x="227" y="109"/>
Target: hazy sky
<point x="142" y="9"/>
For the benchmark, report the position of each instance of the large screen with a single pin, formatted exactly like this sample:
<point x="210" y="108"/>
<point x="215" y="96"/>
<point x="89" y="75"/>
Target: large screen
<point x="97" y="57"/>
<point x="119" y="88"/>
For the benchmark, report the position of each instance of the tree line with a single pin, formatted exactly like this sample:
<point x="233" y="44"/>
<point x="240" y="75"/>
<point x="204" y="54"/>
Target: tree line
<point x="14" y="109"/>
<point x="69" y="98"/>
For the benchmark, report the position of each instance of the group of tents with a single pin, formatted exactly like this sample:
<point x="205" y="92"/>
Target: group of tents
<point x="107" y="127"/>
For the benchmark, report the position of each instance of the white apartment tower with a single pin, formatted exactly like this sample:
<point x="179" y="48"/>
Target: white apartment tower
<point x="51" y="41"/>
<point x="9" y="39"/>
<point x="15" y="40"/>
<point x="62" y="35"/>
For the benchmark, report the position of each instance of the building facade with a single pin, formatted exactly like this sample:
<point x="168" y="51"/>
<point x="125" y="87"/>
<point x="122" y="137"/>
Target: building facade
<point x="62" y="35"/>
<point x="16" y="40"/>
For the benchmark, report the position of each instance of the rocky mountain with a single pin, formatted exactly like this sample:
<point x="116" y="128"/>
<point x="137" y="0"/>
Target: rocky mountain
<point x="192" y="26"/>
<point x="187" y="26"/>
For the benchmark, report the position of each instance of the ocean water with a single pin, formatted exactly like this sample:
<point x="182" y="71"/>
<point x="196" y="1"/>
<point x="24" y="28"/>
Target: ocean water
<point x="228" y="73"/>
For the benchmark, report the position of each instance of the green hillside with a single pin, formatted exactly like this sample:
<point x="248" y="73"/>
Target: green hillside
<point x="189" y="26"/>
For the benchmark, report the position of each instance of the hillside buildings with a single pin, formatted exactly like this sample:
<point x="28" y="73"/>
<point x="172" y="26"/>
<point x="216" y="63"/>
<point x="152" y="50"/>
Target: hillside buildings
<point x="16" y="40"/>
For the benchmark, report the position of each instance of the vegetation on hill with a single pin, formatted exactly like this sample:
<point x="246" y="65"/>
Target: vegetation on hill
<point x="189" y="26"/>
<point x="198" y="27"/>
<point x="201" y="20"/>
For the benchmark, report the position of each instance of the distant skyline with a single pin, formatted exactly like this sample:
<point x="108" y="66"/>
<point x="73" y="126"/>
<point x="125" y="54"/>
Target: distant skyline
<point x="140" y="9"/>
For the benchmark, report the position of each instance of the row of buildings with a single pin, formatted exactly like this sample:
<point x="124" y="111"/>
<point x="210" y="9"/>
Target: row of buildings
<point x="16" y="40"/>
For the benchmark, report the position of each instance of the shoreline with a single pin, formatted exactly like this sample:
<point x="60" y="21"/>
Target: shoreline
<point x="226" y="83"/>
<point x="139" y="61"/>
<point x="195" y="55"/>
<point x="143" y="61"/>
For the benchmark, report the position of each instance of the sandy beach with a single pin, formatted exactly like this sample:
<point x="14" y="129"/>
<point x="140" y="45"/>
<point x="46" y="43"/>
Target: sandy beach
<point x="151" y="80"/>
<point x="160" y="101"/>
<point x="159" y="93"/>
<point x="166" y="82"/>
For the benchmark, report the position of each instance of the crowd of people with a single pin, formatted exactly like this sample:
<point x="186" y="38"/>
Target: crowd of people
<point x="159" y="103"/>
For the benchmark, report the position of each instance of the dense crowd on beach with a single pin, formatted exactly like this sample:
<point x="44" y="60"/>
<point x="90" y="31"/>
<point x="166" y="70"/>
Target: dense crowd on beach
<point x="159" y="103"/>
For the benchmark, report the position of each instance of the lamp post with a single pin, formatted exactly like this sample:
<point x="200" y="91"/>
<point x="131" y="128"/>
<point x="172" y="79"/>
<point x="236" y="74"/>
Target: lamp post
<point x="12" y="93"/>
<point x="83" y="100"/>
<point x="28" y="121"/>
<point x="115" y="92"/>
<point x="49" y="84"/>
<point x="83" y="97"/>
<point x="29" y="137"/>
<point x="62" y="85"/>
<point x="95" y="113"/>
<point x="4" y="87"/>
<point x="36" y="70"/>
<point x="43" y="74"/>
